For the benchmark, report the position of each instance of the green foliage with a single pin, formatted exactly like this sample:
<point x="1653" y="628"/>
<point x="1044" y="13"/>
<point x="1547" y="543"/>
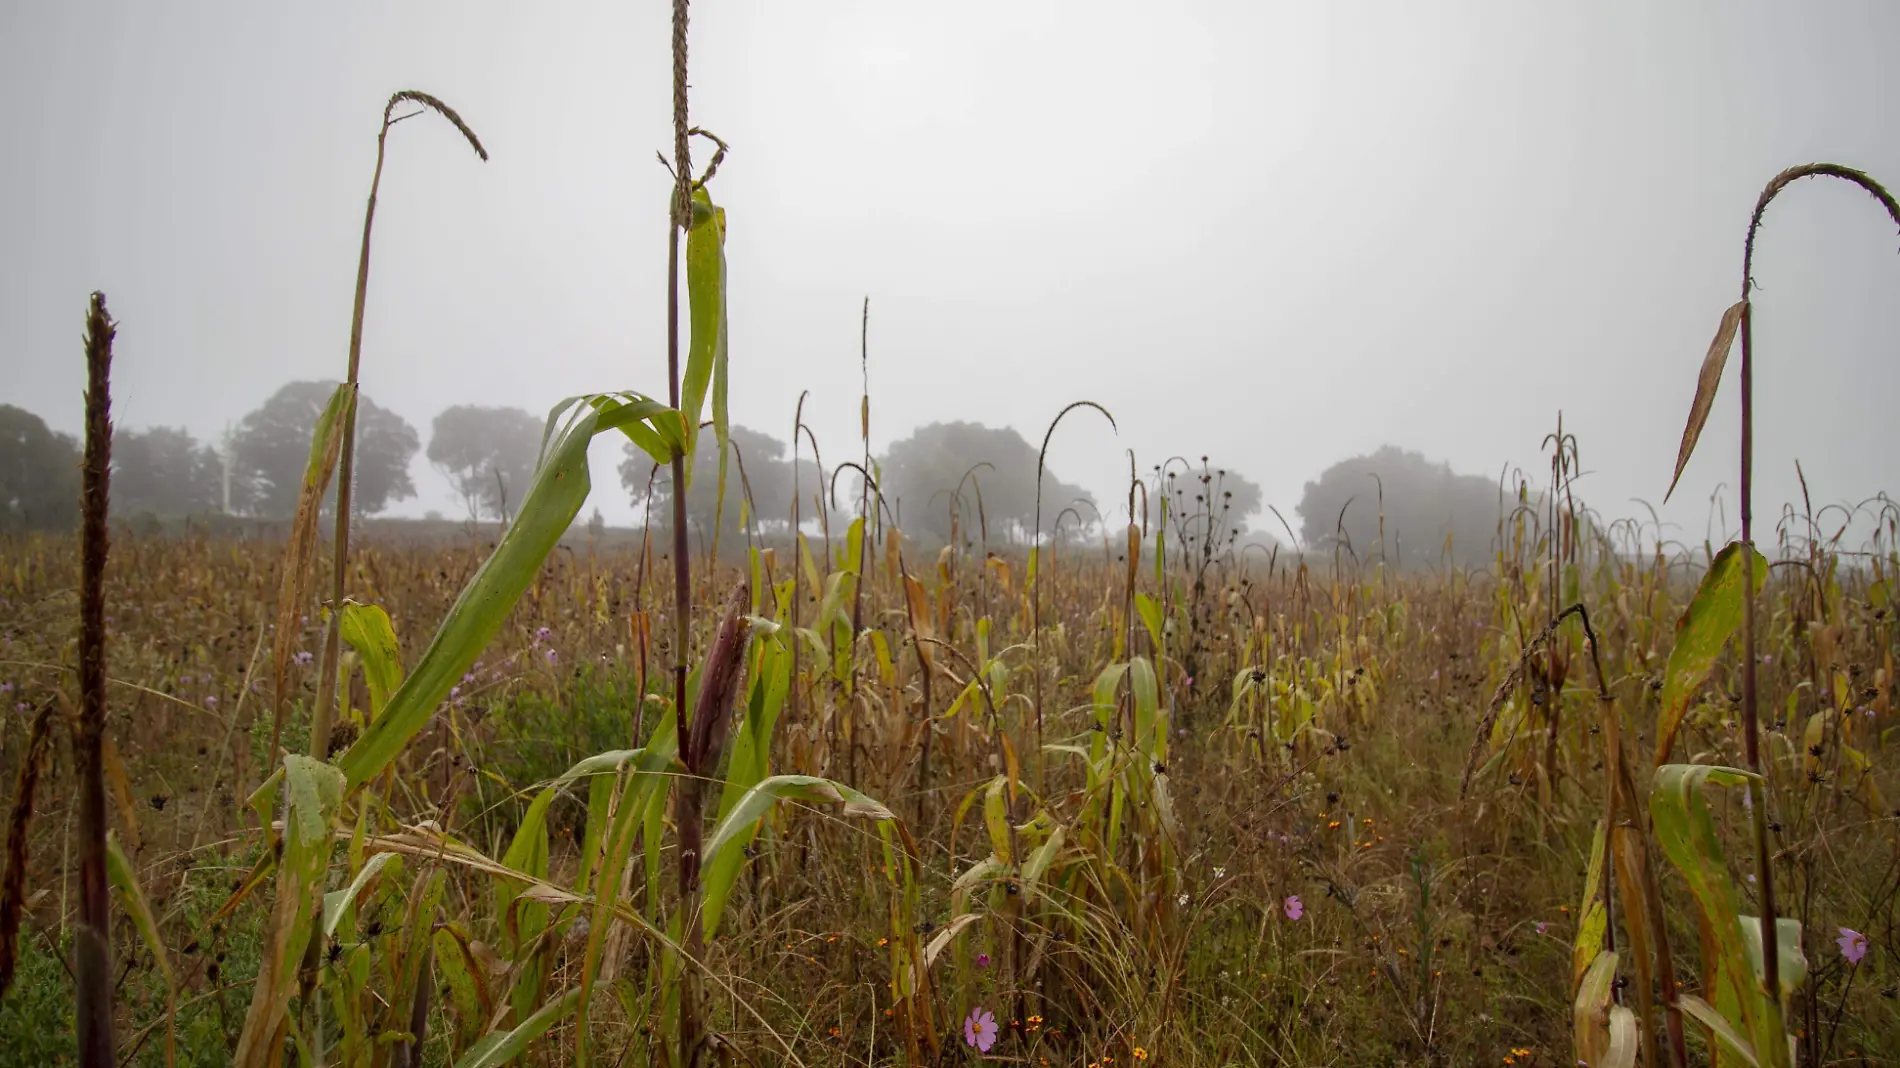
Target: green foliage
<point x="165" y="471"/>
<point x="488" y="454"/>
<point x="925" y="475"/>
<point x="1424" y="504"/>
<point x="39" y="473"/>
<point x="1701" y="634"/>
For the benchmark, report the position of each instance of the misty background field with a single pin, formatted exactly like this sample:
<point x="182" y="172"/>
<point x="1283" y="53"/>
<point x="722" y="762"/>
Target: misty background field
<point x="1209" y="535"/>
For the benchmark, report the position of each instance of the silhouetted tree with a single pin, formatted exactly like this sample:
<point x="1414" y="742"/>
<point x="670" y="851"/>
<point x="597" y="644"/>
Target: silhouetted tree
<point x="39" y="473"/>
<point x="488" y="454"/>
<point x="923" y="471"/>
<point x="1424" y="503"/>
<point x="165" y="471"/>
<point x="272" y="447"/>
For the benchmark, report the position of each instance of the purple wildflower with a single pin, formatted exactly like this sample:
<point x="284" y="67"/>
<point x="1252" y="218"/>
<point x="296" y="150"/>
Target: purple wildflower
<point x="1294" y="907"/>
<point x="979" y="1029"/>
<point x="1853" y="945"/>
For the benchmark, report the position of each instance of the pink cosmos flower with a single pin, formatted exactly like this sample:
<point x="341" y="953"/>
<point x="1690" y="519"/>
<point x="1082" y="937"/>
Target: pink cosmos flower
<point x="1853" y="945"/>
<point x="1541" y="925"/>
<point x="1294" y="909"/>
<point x="982" y="960"/>
<point x="979" y="1029"/>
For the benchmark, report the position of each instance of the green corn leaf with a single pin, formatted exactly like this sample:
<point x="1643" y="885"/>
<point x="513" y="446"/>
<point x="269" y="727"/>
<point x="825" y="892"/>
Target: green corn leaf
<point x="554" y="498"/>
<point x="1150" y="613"/>
<point x="755" y="802"/>
<point x="1701" y="633"/>
<point x="1687" y="834"/>
<point x="771" y="675"/>
<point x="706" y="297"/>
<point x="1794" y="963"/>
<point x="124" y="879"/>
<point x="653" y="428"/>
<point x="366" y="627"/>
<point x="502" y="1047"/>
<point x="1038" y="863"/>
<point x="996" y="817"/>
<point x="315" y="792"/>
<point x="1596" y="921"/>
<point x="1150" y="728"/>
<point x="336" y="902"/>
<point x="1719" y="1028"/>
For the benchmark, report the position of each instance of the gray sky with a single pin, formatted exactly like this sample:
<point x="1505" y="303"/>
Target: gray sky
<point x="1280" y="234"/>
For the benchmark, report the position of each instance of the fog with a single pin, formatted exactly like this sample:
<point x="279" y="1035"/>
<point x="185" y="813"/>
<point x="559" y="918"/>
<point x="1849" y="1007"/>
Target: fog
<point x="1279" y="234"/>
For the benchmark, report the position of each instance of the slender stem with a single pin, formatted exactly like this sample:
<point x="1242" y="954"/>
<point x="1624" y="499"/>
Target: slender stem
<point x="1751" y="726"/>
<point x="687" y="810"/>
<point x="92" y="937"/>
<point x="324" y="716"/>
<point x="864" y="537"/>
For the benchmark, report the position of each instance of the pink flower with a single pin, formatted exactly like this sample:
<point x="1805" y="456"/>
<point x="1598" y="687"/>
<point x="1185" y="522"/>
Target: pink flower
<point x="1541" y="925"/>
<point x="1294" y="909"/>
<point x="982" y="960"/>
<point x="979" y="1030"/>
<point x="553" y="656"/>
<point x="1853" y="945"/>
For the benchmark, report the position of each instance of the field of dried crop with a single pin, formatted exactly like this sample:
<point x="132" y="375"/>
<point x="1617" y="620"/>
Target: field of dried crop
<point x="1203" y="815"/>
<point x="1133" y="796"/>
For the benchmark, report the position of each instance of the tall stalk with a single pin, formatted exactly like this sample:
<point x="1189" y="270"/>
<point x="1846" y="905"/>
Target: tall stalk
<point x="92" y="937"/>
<point x="324" y="717"/>
<point x="1741" y="315"/>
<point x="689" y="802"/>
<point x="1764" y="870"/>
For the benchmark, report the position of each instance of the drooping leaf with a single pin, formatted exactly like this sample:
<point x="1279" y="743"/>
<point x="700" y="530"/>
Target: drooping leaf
<point x="752" y="805"/>
<point x="125" y="880"/>
<point x="1719" y="1028"/>
<point x="706" y="352"/>
<point x="337" y="901"/>
<point x="1686" y="832"/>
<point x="1701" y="633"/>
<point x="1706" y="381"/>
<point x="554" y="498"/>
<point x="366" y="627"/>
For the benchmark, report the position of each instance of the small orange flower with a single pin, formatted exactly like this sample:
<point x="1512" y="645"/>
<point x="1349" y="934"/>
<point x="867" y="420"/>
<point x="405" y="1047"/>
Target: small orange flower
<point x="1141" y="1054"/>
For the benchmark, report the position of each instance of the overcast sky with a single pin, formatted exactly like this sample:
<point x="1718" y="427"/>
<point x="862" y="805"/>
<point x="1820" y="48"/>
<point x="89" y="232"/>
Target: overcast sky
<point x="1279" y="234"/>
